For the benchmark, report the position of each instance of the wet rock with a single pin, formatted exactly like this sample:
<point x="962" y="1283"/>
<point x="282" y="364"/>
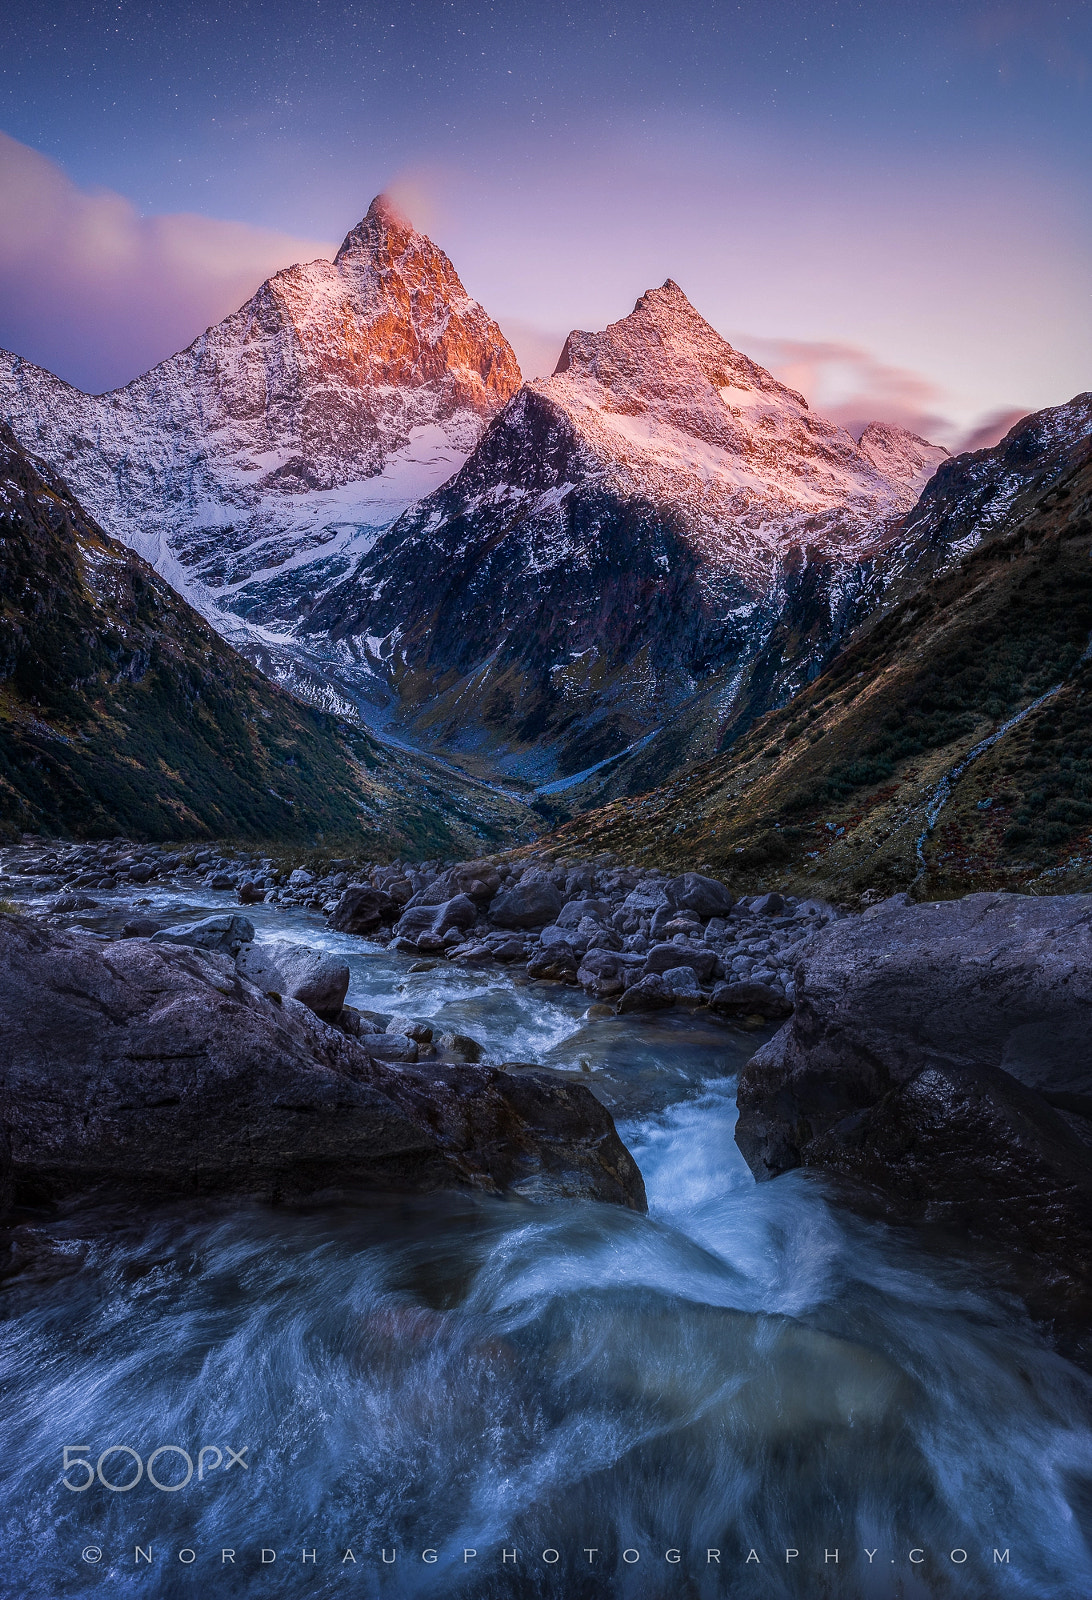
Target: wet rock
<point x="74" y="902"/>
<point x="140" y="928"/>
<point x="458" y="1047"/>
<point x="706" y="897"/>
<point x="939" y="1055"/>
<point x="556" y="961"/>
<point x="146" y="1069"/>
<point x="700" y="957"/>
<point x="425" y="927"/>
<point x="226" y="933"/>
<point x="318" y="980"/>
<point x="601" y="972"/>
<point x="527" y="905"/>
<point x="749" y="999"/>
<point x="222" y="880"/>
<point x="647" y="994"/>
<point x="362" y="909"/>
<point x="419" y="1032"/>
<point x="250" y="894"/>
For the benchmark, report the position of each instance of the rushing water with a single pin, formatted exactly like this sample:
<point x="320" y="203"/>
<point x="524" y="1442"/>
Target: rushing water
<point x="634" y="1406"/>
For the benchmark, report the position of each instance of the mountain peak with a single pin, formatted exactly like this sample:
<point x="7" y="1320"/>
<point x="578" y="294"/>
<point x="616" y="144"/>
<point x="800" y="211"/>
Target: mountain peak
<point x="383" y="227"/>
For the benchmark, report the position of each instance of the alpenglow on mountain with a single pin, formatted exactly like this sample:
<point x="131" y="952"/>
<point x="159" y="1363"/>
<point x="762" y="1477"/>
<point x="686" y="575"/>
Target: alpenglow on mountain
<point x="251" y="468"/>
<point x="640" y="553"/>
<point x="660" y="536"/>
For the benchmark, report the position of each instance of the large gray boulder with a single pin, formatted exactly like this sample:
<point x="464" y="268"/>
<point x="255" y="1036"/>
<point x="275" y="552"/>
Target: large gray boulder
<point x="662" y="957"/>
<point x="146" y="1069"/>
<point x="362" y="909"/>
<point x="940" y="1054"/>
<point x="706" y="897"/>
<point x="225" y="933"/>
<point x="527" y="905"/>
<point x="424" y="927"/>
<point x="318" y="980"/>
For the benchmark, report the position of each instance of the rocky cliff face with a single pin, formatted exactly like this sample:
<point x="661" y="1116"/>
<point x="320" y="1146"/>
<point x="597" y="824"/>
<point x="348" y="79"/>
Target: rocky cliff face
<point x="626" y="540"/>
<point x="121" y="709"/>
<point x="251" y="468"/>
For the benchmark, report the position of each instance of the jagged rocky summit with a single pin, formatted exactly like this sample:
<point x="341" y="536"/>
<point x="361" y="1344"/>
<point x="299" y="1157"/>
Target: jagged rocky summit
<point x="658" y="535"/>
<point x="252" y="467"/>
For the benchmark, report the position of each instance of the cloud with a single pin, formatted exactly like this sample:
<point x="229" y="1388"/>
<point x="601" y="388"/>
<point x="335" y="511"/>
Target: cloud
<point x="97" y="293"/>
<point x="992" y="428"/>
<point x="853" y="387"/>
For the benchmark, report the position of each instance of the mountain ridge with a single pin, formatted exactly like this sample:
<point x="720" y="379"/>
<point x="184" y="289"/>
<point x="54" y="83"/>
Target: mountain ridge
<point x="621" y="542"/>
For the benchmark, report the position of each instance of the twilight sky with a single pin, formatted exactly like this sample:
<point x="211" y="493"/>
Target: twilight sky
<point x="887" y="203"/>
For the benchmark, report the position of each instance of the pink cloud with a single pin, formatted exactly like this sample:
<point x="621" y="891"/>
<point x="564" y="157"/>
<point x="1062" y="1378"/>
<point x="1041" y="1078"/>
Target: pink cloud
<point x="97" y="293"/>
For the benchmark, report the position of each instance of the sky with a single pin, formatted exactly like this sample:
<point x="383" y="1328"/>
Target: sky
<point x="887" y="204"/>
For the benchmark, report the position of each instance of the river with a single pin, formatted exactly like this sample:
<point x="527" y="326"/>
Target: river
<point x="748" y="1392"/>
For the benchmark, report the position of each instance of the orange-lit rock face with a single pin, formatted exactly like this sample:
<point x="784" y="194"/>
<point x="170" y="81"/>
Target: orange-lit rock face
<point x="250" y="467"/>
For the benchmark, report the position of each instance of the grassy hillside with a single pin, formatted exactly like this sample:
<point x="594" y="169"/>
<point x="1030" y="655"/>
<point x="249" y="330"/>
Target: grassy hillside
<point x="833" y="793"/>
<point x="121" y="711"/>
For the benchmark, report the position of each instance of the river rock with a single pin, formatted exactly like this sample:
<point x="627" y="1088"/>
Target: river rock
<point x="706" y="897"/>
<point x="362" y="909"/>
<point x="225" y="933"/>
<point x="647" y="994"/>
<point x="527" y="904"/>
<point x="556" y="961"/>
<point x="425" y="927"/>
<point x="662" y="957"/>
<point x="749" y="999"/>
<point x="939" y="1054"/>
<point x="318" y="980"/>
<point x="145" y="1069"/>
<point x="682" y="983"/>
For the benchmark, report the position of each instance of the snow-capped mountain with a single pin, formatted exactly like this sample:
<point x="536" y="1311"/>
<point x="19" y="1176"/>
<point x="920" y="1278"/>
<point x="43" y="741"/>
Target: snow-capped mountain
<point x="622" y="545"/>
<point x="252" y="468"/>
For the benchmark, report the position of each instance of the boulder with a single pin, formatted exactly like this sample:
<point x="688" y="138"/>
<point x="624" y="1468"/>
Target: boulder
<point x="425" y="927"/>
<point x="526" y="905"/>
<point x="317" y="980"/>
<point x="250" y="894"/>
<point x="458" y="1047"/>
<point x="362" y="909"/>
<point x="662" y="957"/>
<point x="574" y="912"/>
<point x="939" y="1055"/>
<point x="768" y="905"/>
<point x="706" y="897"/>
<point x="601" y="972"/>
<point x="225" y="934"/>
<point x="683" y="983"/>
<point x="142" y="1070"/>
<point x="74" y="902"/>
<point x="141" y="928"/>
<point x="749" y="999"/>
<point x="410" y="1028"/>
<point x="556" y="961"/>
<point x="647" y="994"/>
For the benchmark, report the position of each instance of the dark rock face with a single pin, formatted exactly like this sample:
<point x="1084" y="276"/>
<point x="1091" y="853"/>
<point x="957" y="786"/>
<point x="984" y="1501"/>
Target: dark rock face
<point x="362" y="909"/>
<point x="707" y="897"/>
<point x="740" y="999"/>
<point x="527" y="905"/>
<point x="940" y="1053"/>
<point x="156" y="1069"/>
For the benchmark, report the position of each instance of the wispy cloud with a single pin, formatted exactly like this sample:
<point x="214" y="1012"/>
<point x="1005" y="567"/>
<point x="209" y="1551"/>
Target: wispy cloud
<point x="96" y="292"/>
